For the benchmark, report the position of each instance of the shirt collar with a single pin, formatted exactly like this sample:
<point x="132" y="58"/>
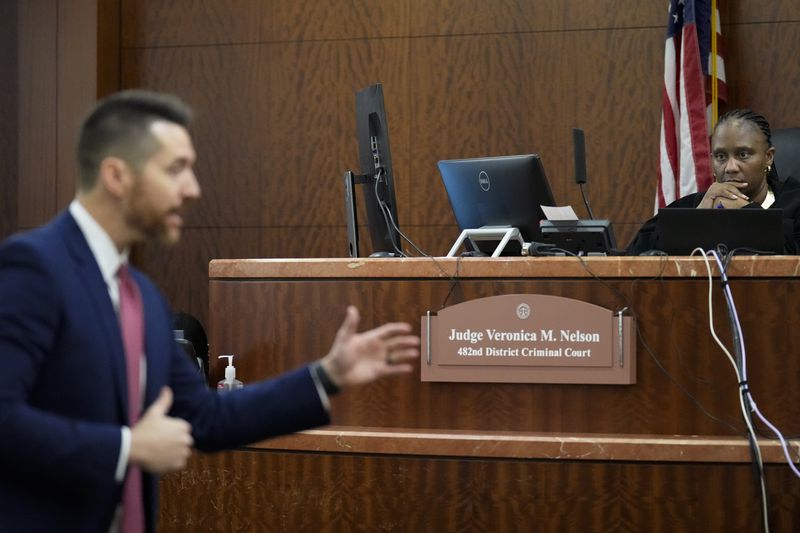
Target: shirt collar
<point x="105" y="252"/>
<point x="769" y="199"/>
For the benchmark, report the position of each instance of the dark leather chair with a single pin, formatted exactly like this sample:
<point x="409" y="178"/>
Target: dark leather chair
<point x="193" y="339"/>
<point x="787" y="152"/>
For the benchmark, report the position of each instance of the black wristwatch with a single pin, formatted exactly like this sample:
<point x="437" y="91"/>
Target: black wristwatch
<point x="327" y="383"/>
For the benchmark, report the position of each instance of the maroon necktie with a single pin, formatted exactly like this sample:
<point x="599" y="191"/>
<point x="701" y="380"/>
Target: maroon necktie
<point x="131" y="319"/>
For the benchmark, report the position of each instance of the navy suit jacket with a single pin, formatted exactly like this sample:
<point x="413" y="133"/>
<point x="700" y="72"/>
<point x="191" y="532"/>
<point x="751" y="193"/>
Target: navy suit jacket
<point x="63" y="395"/>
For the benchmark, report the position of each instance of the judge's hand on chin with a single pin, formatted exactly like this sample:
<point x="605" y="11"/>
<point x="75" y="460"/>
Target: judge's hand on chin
<point x="727" y="195"/>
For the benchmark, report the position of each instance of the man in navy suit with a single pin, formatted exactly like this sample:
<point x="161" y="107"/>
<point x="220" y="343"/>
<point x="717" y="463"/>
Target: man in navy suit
<point x="76" y="436"/>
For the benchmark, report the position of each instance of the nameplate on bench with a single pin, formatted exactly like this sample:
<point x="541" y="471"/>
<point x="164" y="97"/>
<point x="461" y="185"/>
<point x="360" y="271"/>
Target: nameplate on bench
<point x="528" y="338"/>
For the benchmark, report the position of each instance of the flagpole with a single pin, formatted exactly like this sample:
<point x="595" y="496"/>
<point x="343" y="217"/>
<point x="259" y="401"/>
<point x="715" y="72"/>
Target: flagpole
<point x="714" y="87"/>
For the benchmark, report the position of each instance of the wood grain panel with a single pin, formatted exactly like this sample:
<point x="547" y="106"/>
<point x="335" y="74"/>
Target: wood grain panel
<point x="304" y="241"/>
<point x="779" y="268"/>
<point x="492" y="95"/>
<point x="776" y="11"/>
<point x="340" y="20"/>
<point x="432" y="239"/>
<point x="202" y="22"/>
<point x="348" y="491"/>
<point x="182" y="271"/>
<point x="763" y="67"/>
<point x="8" y="126"/>
<point x="512" y="77"/>
<point x="152" y="23"/>
<point x="77" y="86"/>
<point x="520" y="445"/>
<point x="288" y="135"/>
<point x="262" y="491"/>
<point x="147" y="23"/>
<point x="615" y="100"/>
<point x="472" y="98"/>
<point x="542" y="112"/>
<point x="230" y="98"/>
<point x="509" y="16"/>
<point x="311" y="137"/>
<point x="671" y="326"/>
<point x="38" y="141"/>
<point x="108" y="46"/>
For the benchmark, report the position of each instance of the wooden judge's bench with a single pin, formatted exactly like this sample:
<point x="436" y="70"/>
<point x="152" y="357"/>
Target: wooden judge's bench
<point x="665" y="454"/>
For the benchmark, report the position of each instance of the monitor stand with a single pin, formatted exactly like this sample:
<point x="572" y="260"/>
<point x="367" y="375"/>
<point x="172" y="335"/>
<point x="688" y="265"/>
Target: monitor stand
<point x="488" y="233"/>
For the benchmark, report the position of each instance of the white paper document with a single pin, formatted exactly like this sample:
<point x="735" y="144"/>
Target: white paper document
<point x="559" y="213"/>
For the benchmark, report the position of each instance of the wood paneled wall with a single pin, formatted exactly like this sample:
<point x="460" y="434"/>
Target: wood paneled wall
<point x="8" y="112"/>
<point x="329" y="493"/>
<point x="56" y="82"/>
<point x="273" y="84"/>
<point x="329" y="481"/>
<point x="266" y="323"/>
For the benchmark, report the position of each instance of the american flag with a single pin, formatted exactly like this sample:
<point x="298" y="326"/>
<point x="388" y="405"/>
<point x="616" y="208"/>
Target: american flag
<point x="685" y="165"/>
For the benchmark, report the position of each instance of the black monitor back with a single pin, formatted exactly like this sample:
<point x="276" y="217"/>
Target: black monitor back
<point x="681" y="230"/>
<point x="498" y="191"/>
<point x="375" y="160"/>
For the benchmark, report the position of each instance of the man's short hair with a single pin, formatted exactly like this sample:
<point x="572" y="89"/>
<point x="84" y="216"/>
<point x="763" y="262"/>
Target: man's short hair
<point x="119" y="126"/>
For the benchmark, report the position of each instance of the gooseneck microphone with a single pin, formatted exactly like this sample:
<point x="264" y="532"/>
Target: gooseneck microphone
<point x="579" y="150"/>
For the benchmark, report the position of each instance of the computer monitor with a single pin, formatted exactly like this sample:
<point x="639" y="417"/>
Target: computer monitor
<point x="498" y="191"/>
<point x="376" y="179"/>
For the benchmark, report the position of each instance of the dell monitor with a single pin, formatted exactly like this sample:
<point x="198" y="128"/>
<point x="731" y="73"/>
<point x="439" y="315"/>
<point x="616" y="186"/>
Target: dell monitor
<point x="498" y="191"/>
<point x="376" y="179"/>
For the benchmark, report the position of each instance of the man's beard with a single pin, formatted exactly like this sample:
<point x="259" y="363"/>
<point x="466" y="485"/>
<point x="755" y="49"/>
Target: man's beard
<point x="150" y="225"/>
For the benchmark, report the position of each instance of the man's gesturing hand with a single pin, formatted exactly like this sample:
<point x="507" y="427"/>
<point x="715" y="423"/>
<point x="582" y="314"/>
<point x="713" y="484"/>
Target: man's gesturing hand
<point x="159" y="443"/>
<point x="358" y="358"/>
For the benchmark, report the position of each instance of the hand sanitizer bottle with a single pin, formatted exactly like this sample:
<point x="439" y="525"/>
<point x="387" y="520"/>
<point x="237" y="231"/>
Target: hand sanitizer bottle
<point x="230" y="382"/>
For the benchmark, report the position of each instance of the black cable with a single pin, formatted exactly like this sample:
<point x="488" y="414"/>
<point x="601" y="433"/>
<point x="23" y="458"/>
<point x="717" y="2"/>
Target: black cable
<point x="586" y="201"/>
<point x="758" y="467"/>
<point x="391" y="224"/>
<point x="387" y="215"/>
<point x="455" y="281"/>
<point x="385" y="211"/>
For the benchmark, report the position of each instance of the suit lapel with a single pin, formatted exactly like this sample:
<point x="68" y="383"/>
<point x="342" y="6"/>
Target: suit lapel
<point x="87" y="271"/>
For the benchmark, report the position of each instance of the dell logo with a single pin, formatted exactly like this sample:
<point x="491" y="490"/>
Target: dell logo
<point x="483" y="179"/>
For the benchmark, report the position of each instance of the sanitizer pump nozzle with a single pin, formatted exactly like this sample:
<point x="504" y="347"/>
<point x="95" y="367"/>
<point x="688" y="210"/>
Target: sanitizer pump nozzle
<point x="230" y="382"/>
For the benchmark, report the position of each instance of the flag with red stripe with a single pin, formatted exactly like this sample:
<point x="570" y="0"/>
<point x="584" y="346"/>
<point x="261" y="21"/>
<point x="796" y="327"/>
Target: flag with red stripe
<point x="685" y="165"/>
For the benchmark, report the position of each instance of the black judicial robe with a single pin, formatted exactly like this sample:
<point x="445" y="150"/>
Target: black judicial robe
<point x="787" y="197"/>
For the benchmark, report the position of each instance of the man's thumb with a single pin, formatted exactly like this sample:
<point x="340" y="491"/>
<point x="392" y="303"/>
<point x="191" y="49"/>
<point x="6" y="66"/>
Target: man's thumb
<point x="163" y="403"/>
<point x="351" y="319"/>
